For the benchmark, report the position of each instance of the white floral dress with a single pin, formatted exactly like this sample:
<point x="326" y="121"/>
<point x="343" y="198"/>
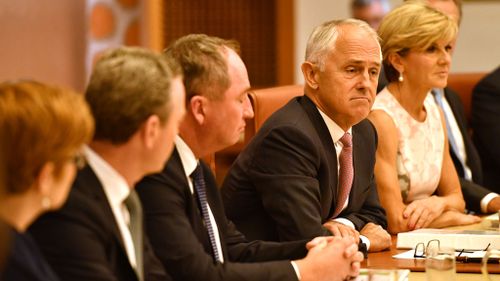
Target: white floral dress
<point x="420" y="146"/>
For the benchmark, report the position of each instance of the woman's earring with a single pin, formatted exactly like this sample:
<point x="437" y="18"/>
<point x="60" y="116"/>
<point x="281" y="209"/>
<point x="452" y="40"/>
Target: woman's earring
<point x="46" y="203"/>
<point x="400" y="78"/>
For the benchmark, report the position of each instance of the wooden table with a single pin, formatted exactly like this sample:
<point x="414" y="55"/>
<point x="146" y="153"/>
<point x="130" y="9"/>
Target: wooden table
<point x="420" y="276"/>
<point x="385" y="260"/>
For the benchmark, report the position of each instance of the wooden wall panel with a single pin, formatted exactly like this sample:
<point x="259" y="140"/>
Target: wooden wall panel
<point x="251" y="22"/>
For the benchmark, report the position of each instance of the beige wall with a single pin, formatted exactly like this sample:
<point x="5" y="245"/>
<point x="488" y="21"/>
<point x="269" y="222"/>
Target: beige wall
<point x="43" y="40"/>
<point x="478" y="46"/>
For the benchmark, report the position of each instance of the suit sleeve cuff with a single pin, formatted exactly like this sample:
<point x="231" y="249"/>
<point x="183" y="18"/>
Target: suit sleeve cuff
<point x="486" y="200"/>
<point x="297" y="271"/>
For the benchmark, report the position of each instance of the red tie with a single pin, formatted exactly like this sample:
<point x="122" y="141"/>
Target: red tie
<point x="346" y="173"/>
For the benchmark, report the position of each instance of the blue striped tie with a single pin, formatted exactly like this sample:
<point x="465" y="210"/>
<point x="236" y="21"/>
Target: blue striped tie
<point x="438" y="97"/>
<point x="200" y="187"/>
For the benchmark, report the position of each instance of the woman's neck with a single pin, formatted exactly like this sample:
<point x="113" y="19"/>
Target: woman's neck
<point x="19" y="211"/>
<point x="410" y="98"/>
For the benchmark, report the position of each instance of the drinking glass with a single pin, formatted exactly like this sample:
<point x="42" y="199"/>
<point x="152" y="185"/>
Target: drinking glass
<point x="493" y="256"/>
<point x="440" y="263"/>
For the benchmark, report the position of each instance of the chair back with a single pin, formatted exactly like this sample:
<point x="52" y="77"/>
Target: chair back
<point x="265" y="102"/>
<point x="463" y="84"/>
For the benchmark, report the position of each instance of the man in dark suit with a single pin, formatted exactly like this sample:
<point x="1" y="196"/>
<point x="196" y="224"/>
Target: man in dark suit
<point x="477" y="197"/>
<point x="486" y="126"/>
<point x="290" y="181"/>
<point x="97" y="235"/>
<point x="184" y="214"/>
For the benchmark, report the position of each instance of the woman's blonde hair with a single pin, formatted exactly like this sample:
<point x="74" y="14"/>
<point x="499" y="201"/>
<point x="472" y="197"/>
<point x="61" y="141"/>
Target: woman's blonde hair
<point x="39" y="124"/>
<point x="412" y="26"/>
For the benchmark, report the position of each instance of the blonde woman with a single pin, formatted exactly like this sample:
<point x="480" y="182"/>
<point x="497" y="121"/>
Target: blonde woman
<point x="416" y="180"/>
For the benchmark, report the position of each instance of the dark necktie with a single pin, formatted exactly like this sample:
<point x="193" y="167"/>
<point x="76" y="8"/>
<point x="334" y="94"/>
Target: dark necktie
<point x="134" y="207"/>
<point x="200" y="188"/>
<point x="346" y="173"/>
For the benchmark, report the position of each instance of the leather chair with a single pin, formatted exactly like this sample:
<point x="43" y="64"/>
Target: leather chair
<point x="463" y="84"/>
<point x="265" y="102"/>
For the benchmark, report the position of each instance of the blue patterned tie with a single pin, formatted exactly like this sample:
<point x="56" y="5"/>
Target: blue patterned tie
<point x="200" y="187"/>
<point x="438" y="97"/>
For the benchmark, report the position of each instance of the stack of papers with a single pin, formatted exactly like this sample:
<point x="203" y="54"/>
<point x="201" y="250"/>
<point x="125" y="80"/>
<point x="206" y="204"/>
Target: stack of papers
<point x="458" y="239"/>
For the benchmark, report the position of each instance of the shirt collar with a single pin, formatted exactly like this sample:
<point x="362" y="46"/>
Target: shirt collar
<point x="335" y="131"/>
<point x="189" y="161"/>
<point x="115" y="186"/>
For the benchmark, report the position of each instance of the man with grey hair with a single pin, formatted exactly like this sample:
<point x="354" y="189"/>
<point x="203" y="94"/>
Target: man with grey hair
<point x="370" y="11"/>
<point x="137" y="103"/>
<point x="309" y="169"/>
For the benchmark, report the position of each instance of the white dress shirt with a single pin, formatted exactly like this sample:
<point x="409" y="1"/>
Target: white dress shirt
<point x="336" y="133"/>
<point x="116" y="190"/>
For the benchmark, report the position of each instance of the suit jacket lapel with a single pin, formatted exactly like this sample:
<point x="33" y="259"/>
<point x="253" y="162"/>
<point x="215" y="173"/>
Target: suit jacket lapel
<point x="328" y="206"/>
<point x="88" y="183"/>
<point x="175" y="170"/>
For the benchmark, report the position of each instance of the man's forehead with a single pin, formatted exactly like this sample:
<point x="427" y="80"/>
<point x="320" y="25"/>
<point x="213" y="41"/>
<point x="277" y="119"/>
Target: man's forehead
<point x="350" y="35"/>
<point x="358" y="48"/>
<point x="370" y="62"/>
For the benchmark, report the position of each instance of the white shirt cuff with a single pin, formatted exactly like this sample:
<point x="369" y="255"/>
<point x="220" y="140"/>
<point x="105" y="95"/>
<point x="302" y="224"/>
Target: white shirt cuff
<point x="486" y="200"/>
<point x="345" y="222"/>
<point x="349" y="223"/>
<point x="297" y="271"/>
<point x="365" y="240"/>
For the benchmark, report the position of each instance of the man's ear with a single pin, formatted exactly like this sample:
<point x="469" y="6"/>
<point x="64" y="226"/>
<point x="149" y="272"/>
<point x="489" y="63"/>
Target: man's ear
<point x="198" y="107"/>
<point x="310" y="72"/>
<point x="397" y="62"/>
<point x="151" y="130"/>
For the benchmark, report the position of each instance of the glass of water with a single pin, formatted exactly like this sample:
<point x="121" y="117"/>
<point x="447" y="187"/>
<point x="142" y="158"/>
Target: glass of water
<point x="440" y="263"/>
<point x="491" y="256"/>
